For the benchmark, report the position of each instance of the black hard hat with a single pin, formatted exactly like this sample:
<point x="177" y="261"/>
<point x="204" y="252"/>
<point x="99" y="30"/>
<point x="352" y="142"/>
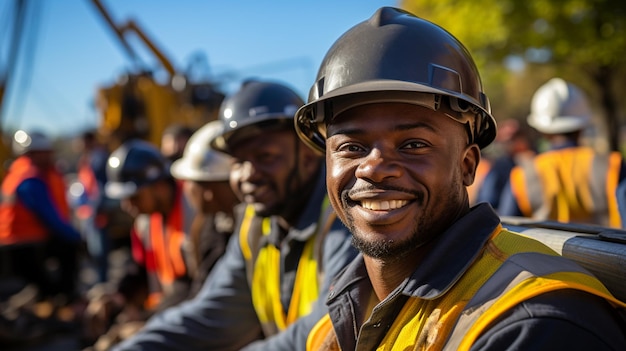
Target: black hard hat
<point x="134" y="164"/>
<point x="396" y="56"/>
<point x="255" y="108"/>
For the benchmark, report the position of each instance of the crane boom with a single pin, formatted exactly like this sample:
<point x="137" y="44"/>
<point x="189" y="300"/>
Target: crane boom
<point x="140" y="107"/>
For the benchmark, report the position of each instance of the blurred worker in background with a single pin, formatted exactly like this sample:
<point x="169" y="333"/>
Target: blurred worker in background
<point x="286" y="248"/>
<point x="399" y="109"/>
<point x="513" y="144"/>
<point x="173" y="141"/>
<point x="139" y="175"/>
<point x="205" y="173"/>
<point x="35" y="223"/>
<point x="91" y="207"/>
<point x="570" y="182"/>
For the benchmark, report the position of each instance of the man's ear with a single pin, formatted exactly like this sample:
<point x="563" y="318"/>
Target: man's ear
<point x="471" y="158"/>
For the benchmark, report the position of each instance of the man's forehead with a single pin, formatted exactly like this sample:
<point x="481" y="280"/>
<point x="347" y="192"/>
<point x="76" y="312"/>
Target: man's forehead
<point x="394" y="115"/>
<point x="387" y="113"/>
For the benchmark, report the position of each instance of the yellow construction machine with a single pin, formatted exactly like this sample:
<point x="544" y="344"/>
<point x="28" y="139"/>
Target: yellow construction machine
<point x="138" y="106"/>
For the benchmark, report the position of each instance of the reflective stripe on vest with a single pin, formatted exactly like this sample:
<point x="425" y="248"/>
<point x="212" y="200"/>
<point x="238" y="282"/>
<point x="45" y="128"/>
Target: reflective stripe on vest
<point x="500" y="279"/>
<point x="164" y="243"/>
<point x="541" y="277"/>
<point x="263" y="265"/>
<point x="167" y="247"/>
<point x="569" y="185"/>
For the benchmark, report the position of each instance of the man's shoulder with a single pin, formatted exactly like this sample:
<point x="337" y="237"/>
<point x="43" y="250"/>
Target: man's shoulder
<point x="31" y="185"/>
<point x="562" y="317"/>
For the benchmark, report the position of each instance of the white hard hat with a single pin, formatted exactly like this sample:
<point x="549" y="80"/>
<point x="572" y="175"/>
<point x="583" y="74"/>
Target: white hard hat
<point x="24" y="142"/>
<point x="199" y="161"/>
<point x="559" y="107"/>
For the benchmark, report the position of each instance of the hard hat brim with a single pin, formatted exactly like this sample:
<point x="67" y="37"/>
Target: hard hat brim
<point x="183" y="169"/>
<point x="564" y="124"/>
<point x="120" y="190"/>
<point x="306" y="129"/>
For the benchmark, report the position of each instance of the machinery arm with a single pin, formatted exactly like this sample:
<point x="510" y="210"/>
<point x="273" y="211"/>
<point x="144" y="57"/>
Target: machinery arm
<point x="120" y="32"/>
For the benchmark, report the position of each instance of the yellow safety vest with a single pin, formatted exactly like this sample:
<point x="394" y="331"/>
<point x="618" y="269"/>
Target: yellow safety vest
<point x="263" y="265"/>
<point x="569" y="185"/>
<point x="513" y="267"/>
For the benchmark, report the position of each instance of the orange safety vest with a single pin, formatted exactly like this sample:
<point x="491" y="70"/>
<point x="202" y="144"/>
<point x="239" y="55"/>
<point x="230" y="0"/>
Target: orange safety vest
<point x="569" y="185"/>
<point x="87" y="178"/>
<point x="17" y="223"/>
<point x="163" y="243"/>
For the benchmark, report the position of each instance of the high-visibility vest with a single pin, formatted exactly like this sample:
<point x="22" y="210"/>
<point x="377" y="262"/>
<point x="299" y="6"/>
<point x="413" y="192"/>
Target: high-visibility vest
<point x="569" y="185"/>
<point x="163" y="242"/>
<point x="263" y="270"/>
<point x="513" y="269"/>
<point x="87" y="178"/>
<point x="17" y="223"/>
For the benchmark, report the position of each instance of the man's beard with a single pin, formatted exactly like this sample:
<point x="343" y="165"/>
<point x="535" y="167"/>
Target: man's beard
<point x="424" y="229"/>
<point x="382" y="249"/>
<point x="387" y="249"/>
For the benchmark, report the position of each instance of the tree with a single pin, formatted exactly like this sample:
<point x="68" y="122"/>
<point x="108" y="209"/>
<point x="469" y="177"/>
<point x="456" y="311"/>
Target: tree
<point x="583" y="41"/>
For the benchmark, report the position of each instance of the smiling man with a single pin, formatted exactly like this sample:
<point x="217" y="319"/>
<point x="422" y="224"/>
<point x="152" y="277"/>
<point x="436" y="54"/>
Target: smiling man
<point x="399" y="110"/>
<point x="286" y="247"/>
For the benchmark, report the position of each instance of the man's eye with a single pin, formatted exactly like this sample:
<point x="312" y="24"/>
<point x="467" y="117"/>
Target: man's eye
<point x="349" y="147"/>
<point x="414" y="145"/>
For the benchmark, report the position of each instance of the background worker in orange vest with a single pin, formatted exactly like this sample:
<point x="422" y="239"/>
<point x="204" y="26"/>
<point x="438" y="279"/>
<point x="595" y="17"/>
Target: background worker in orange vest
<point x="139" y="175"/>
<point x="35" y="227"/>
<point x="399" y="109"/>
<point x="512" y="145"/>
<point x="205" y="173"/>
<point x="569" y="182"/>
<point x="268" y="289"/>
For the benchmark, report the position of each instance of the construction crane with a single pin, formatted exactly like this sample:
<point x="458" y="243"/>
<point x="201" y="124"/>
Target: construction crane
<point x="137" y="106"/>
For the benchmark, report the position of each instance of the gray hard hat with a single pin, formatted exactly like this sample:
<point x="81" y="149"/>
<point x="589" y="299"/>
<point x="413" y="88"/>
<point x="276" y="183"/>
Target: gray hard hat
<point x="134" y="164"/>
<point x="255" y="108"/>
<point x="396" y="56"/>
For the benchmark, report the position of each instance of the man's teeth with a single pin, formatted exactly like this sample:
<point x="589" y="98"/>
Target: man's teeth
<point x="383" y="205"/>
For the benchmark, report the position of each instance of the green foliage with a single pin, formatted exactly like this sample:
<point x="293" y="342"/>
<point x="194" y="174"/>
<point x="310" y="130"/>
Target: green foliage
<point x="575" y="31"/>
<point x="583" y="41"/>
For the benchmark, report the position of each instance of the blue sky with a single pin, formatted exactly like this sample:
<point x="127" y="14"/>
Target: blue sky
<point x="75" y="51"/>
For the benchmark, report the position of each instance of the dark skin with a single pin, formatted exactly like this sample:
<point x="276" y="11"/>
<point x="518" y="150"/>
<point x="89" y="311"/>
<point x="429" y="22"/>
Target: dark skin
<point x="268" y="173"/>
<point x="396" y="177"/>
<point x="152" y="198"/>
